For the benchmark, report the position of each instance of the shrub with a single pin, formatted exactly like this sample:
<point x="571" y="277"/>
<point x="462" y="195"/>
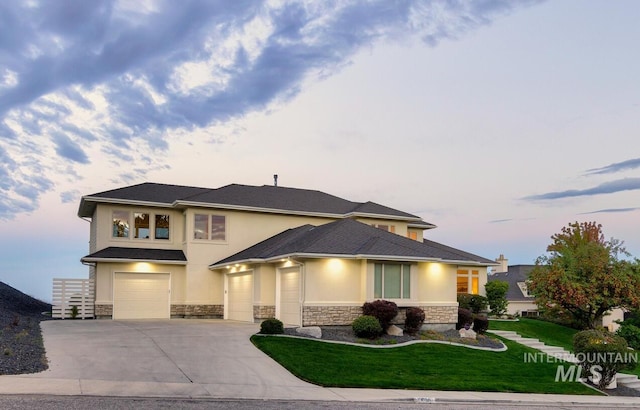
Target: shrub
<point x="367" y="326"/>
<point x="497" y="296"/>
<point x="601" y="353"/>
<point x="414" y="320"/>
<point x="465" y="317"/>
<point x="383" y="310"/>
<point x="480" y="324"/>
<point x="74" y="312"/>
<point x="271" y="326"/>
<point x="630" y="333"/>
<point x="475" y="303"/>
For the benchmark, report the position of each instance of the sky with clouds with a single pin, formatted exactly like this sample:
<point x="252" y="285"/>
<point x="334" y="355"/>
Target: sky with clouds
<point x="498" y="121"/>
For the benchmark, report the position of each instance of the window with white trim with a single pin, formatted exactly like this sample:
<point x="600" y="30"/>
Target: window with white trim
<point x="210" y="227"/>
<point x="391" y="281"/>
<point x="144" y="224"/>
<point x="120" y="223"/>
<point x="468" y="281"/>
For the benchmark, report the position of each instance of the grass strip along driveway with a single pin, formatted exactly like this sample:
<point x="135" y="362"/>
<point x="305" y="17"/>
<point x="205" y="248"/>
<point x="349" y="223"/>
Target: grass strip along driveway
<point x="426" y="366"/>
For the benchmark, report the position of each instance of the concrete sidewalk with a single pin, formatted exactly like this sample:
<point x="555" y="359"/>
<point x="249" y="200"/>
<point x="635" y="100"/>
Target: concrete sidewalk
<point x="204" y="359"/>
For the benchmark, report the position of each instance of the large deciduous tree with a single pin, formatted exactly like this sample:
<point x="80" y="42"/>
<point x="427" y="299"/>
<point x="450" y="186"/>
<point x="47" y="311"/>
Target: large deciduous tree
<point x="585" y="275"/>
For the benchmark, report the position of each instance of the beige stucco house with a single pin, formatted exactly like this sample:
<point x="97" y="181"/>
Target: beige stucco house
<point x="251" y="252"/>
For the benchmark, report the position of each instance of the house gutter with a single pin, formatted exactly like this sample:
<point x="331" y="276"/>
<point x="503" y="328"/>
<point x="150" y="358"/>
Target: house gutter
<point x="343" y="256"/>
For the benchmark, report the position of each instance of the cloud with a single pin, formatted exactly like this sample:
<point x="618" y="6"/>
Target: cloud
<point x="616" y="167"/>
<point x="497" y="221"/>
<point x="104" y="73"/>
<point x="612" y="210"/>
<point x="626" y="184"/>
<point x="68" y="149"/>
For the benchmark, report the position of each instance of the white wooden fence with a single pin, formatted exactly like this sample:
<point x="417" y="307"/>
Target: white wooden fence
<point x="68" y="293"/>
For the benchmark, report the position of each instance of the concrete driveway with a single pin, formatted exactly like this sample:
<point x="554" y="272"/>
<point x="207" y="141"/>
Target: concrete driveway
<point x="165" y="357"/>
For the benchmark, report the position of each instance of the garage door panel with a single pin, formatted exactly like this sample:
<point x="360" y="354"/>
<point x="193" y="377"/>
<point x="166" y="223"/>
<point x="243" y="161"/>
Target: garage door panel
<point x="141" y="296"/>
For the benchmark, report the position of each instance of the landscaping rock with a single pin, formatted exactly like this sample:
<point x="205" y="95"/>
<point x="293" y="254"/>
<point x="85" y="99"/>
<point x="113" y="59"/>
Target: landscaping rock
<point x="394" y="330"/>
<point x="311" y="331"/>
<point x="467" y="333"/>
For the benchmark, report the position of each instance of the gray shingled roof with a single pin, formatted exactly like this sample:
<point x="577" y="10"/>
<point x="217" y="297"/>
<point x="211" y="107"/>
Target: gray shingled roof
<point x="349" y="238"/>
<point x="514" y="274"/>
<point x="137" y="254"/>
<point x="247" y="196"/>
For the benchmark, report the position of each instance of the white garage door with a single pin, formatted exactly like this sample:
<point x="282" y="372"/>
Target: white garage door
<point x="240" y="297"/>
<point x="290" y="296"/>
<point x="141" y="296"/>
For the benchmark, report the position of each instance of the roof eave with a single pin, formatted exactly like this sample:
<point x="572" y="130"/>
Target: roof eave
<point x="129" y="260"/>
<point x="117" y="201"/>
<point x="300" y="255"/>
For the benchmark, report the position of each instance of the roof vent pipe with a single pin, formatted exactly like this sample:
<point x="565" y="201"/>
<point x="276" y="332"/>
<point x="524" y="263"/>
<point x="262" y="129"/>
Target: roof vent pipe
<point x="275" y="179"/>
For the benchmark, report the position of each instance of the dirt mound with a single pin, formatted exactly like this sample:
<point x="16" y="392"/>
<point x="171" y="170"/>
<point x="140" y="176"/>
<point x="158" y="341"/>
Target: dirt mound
<point x="14" y="302"/>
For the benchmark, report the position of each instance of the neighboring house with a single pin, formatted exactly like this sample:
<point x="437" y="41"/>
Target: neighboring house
<point x="520" y="301"/>
<point x="252" y="252"/>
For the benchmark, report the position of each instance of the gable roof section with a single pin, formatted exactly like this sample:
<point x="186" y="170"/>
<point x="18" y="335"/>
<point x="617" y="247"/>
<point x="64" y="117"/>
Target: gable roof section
<point x="513" y="275"/>
<point x="348" y="238"/>
<point x="117" y="254"/>
<point x="266" y="198"/>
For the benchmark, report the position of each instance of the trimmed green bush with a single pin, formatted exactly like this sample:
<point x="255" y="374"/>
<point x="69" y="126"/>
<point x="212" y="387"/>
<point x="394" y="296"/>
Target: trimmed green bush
<point x="497" y="296"/>
<point x="480" y="324"/>
<point x="414" y="320"/>
<point x="383" y="310"/>
<point x="603" y="353"/>
<point x="630" y="333"/>
<point x="465" y="317"/>
<point x="271" y="326"/>
<point x="475" y="303"/>
<point x="367" y="326"/>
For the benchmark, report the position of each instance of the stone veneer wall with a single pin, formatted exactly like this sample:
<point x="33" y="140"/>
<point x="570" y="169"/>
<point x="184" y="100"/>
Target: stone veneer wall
<point x="440" y="314"/>
<point x="197" y="311"/>
<point x="345" y="315"/>
<point x="263" y="312"/>
<point x="103" y="311"/>
<point x="329" y="315"/>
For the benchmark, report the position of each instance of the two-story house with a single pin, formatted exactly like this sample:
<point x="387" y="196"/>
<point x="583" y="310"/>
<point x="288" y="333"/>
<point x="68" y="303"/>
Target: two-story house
<point x="251" y="252"/>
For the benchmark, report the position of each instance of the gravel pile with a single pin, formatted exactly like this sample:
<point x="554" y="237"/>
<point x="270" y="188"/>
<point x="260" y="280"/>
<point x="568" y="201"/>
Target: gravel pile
<point x="21" y="348"/>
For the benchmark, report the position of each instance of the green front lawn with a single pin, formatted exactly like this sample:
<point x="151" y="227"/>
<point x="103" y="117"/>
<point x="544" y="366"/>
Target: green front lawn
<point x="549" y="333"/>
<point x="419" y="366"/>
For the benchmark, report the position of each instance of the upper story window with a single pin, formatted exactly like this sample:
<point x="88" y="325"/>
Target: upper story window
<point x="162" y="227"/>
<point x="468" y="281"/>
<point x="120" y="223"/>
<point x="412" y="235"/>
<point x="391" y="281"/>
<point x="142" y="225"/>
<point x="211" y="227"/>
<point x="388" y="228"/>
